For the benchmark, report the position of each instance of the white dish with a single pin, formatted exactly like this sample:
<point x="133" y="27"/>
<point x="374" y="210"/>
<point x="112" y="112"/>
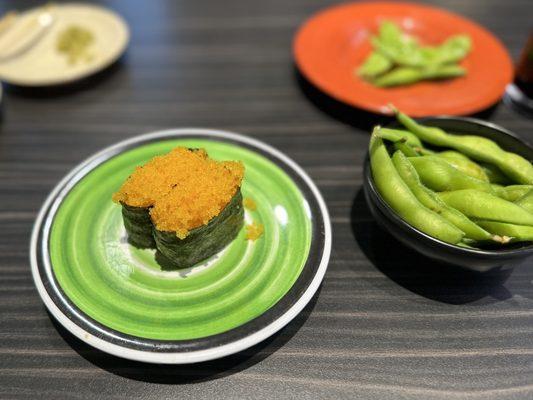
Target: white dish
<point x="43" y="65"/>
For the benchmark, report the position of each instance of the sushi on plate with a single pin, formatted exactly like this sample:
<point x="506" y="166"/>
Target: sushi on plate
<point x="185" y="204"/>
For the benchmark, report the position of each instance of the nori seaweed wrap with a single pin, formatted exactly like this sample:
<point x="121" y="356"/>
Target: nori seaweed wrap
<point x="204" y="241"/>
<point x="166" y="193"/>
<point x="138" y="226"/>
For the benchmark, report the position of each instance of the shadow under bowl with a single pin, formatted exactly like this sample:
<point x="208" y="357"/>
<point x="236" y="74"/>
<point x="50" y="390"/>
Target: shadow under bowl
<point x="480" y="260"/>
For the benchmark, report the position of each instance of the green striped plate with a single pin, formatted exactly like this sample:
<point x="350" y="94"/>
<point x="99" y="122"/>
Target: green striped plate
<point x="119" y="299"/>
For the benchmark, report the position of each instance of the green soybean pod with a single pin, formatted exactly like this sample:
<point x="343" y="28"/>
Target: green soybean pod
<point x="511" y="232"/>
<point x="466" y="166"/>
<point x="425" y="152"/>
<point x="486" y="206"/>
<point x="407" y="150"/>
<point x="443" y="72"/>
<point x="399" y="77"/>
<point x="511" y="192"/>
<point x="494" y="174"/>
<point x="459" y="161"/>
<point x="399" y="135"/>
<point x="403" y="49"/>
<point x="526" y="201"/>
<point x="391" y="33"/>
<point x="478" y="148"/>
<point x="469" y="241"/>
<point x="409" y="75"/>
<point x="499" y="190"/>
<point x="430" y="199"/>
<point x="452" y="155"/>
<point x="406" y="54"/>
<point x="437" y="174"/>
<point x="375" y="64"/>
<point x="453" y="50"/>
<point x="396" y="193"/>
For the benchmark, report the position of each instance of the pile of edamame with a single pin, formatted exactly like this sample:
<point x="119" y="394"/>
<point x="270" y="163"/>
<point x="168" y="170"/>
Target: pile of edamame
<point x="398" y="59"/>
<point x="461" y="189"/>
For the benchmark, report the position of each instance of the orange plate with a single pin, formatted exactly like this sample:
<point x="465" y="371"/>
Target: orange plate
<point x="331" y="45"/>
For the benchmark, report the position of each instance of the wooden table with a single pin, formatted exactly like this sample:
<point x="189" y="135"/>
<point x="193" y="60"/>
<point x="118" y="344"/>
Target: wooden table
<point x="387" y="324"/>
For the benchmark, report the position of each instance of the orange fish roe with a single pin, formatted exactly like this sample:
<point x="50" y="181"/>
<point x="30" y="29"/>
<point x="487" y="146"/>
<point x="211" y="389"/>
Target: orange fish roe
<point x="254" y="231"/>
<point x="185" y="189"/>
<point x="249" y="203"/>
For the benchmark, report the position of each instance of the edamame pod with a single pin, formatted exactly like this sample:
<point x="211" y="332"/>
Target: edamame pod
<point x="485" y="172"/>
<point x="406" y="54"/>
<point x="526" y="201"/>
<point x="375" y="64"/>
<point x="409" y="75"/>
<point x="454" y="49"/>
<point x="486" y="206"/>
<point x="398" y="77"/>
<point x="397" y="194"/>
<point x="452" y="155"/>
<point x="407" y="150"/>
<point x="514" y="233"/>
<point x="437" y="174"/>
<point x="391" y="34"/>
<point x="466" y="166"/>
<point x="512" y="192"/>
<point x="393" y="44"/>
<point x="399" y="135"/>
<point x="425" y="152"/>
<point x="476" y="147"/>
<point x="430" y="199"/>
<point x="494" y="174"/>
<point x="459" y="161"/>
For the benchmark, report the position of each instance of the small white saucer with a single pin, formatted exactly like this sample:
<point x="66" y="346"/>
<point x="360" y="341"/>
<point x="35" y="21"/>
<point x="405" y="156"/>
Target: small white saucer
<point x="43" y="65"/>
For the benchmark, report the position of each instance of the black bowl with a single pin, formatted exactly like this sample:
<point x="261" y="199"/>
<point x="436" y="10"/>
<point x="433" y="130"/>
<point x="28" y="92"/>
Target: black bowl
<point x="472" y="259"/>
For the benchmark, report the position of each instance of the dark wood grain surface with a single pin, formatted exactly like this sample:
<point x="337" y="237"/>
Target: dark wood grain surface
<point x="387" y="324"/>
